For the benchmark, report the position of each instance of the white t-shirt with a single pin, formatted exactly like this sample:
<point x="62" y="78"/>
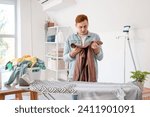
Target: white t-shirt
<point x="83" y="39"/>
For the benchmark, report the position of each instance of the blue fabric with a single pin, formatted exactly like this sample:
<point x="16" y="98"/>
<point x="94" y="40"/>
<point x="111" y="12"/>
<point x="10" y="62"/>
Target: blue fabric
<point x="18" y="72"/>
<point x="21" y="69"/>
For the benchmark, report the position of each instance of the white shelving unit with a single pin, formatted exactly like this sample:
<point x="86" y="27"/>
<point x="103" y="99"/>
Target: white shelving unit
<point x="54" y="46"/>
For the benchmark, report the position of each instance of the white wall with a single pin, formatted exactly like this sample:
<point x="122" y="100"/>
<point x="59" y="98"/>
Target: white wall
<point x="32" y="20"/>
<point x="108" y="15"/>
<point x="107" y="18"/>
<point x="25" y="27"/>
<point x="112" y="66"/>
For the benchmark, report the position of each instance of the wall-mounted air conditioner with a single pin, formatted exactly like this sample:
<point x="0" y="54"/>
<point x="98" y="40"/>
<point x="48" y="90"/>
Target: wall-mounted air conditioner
<point x="55" y="4"/>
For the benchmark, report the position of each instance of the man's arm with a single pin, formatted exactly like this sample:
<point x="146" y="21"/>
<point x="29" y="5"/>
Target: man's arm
<point x="97" y="49"/>
<point x="99" y="56"/>
<point x="67" y="50"/>
<point x="74" y="52"/>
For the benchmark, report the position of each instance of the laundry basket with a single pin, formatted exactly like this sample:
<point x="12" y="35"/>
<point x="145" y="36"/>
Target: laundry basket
<point x="34" y="73"/>
<point x="30" y="76"/>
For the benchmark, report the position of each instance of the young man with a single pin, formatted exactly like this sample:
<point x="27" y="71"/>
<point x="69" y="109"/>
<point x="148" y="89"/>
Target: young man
<point x="82" y="38"/>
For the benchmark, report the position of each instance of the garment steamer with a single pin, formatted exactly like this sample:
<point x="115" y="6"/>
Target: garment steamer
<point x="126" y="30"/>
<point x="126" y="37"/>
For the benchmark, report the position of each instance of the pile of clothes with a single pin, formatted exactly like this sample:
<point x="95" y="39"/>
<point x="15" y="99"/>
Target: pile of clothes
<point x="20" y="66"/>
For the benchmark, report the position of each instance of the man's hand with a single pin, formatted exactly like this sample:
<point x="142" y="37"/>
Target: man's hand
<point x="96" y="47"/>
<point x="75" y="51"/>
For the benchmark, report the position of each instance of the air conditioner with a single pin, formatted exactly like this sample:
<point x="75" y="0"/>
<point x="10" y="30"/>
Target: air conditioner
<point x="55" y="4"/>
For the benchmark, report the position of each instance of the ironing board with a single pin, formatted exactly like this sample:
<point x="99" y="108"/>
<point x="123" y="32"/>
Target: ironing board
<point x="88" y="90"/>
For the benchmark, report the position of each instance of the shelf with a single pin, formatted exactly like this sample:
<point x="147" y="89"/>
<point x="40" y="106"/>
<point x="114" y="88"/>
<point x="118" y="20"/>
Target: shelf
<point x="49" y="56"/>
<point x="53" y="43"/>
<point x="56" y="66"/>
<point x="55" y="27"/>
<point x="59" y="70"/>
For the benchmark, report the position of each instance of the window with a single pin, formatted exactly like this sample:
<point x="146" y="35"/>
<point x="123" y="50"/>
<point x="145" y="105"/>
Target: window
<point x="7" y="31"/>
